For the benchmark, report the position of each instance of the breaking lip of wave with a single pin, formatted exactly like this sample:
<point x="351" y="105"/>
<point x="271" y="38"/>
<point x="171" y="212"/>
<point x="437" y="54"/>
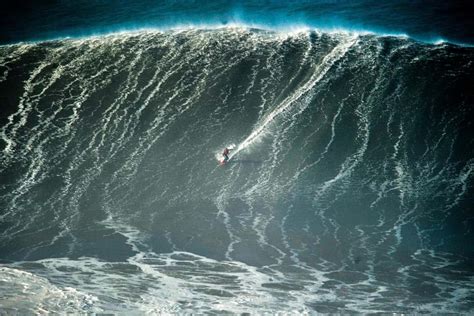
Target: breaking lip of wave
<point x="283" y="29"/>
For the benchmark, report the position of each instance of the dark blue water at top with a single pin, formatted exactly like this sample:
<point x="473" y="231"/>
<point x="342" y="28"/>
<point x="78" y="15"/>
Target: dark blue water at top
<point x="428" y="21"/>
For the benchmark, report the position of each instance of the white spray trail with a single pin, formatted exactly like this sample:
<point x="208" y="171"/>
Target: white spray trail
<point x="328" y="61"/>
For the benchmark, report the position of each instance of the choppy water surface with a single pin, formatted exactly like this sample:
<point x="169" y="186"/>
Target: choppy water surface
<point x="349" y="190"/>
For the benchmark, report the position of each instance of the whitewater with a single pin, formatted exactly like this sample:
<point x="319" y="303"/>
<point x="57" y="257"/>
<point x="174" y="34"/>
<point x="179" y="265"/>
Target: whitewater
<point x="349" y="188"/>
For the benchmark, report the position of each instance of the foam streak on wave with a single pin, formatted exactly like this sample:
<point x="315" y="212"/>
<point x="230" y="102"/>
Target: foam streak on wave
<point x="321" y="70"/>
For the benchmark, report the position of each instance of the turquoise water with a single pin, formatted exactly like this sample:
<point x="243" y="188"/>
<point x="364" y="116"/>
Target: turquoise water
<point x="429" y="21"/>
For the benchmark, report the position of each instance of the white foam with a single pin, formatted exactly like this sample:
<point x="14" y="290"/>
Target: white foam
<point x="326" y="64"/>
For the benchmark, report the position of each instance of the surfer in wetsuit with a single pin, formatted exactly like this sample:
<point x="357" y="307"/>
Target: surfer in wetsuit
<point x="226" y="154"/>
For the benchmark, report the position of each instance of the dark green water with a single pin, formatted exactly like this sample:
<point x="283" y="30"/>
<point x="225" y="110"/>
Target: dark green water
<point x="349" y="188"/>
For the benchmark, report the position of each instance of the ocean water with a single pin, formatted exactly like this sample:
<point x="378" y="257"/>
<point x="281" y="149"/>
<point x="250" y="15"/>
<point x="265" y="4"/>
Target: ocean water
<point x="350" y="183"/>
<point x="430" y="21"/>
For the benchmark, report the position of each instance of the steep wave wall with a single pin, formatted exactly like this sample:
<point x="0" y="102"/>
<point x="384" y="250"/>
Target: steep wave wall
<point x="349" y="189"/>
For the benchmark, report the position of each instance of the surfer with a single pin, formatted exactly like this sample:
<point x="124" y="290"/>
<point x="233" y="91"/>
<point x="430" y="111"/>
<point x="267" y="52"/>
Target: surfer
<point x="226" y="155"/>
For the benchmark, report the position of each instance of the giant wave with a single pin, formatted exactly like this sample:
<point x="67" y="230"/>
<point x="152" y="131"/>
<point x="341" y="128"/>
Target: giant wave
<point x="349" y="189"/>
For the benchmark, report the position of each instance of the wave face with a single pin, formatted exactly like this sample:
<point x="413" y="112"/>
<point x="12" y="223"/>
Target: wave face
<point x="349" y="189"/>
